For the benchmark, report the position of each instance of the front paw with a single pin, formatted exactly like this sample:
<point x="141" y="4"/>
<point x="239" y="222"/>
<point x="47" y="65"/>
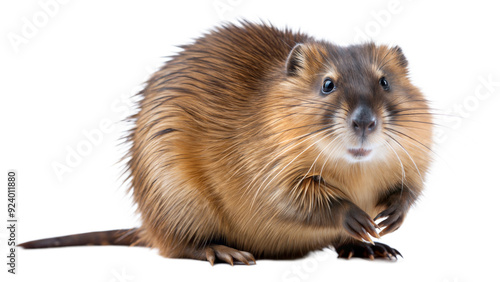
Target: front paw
<point x="367" y="251"/>
<point x="359" y="224"/>
<point x="394" y="216"/>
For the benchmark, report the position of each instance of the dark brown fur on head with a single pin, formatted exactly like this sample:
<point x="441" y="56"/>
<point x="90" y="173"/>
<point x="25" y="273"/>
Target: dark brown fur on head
<point x="237" y="144"/>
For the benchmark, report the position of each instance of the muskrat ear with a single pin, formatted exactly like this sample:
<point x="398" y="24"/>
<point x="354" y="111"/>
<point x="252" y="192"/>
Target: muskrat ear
<point x="399" y="54"/>
<point x="295" y="60"/>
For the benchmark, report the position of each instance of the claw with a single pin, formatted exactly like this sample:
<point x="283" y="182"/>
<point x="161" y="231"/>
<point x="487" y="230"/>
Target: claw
<point x="241" y="258"/>
<point x="381" y="215"/>
<point x="228" y="259"/>
<point x="397" y="252"/>
<point x="351" y="253"/>
<point x="370" y="240"/>
<point x="364" y="250"/>
<point x="228" y="255"/>
<point x="210" y="256"/>
<point x="390" y="220"/>
<point x="389" y="229"/>
<point x="373" y="231"/>
<point x="375" y="224"/>
<point x="391" y="252"/>
<point x="248" y="256"/>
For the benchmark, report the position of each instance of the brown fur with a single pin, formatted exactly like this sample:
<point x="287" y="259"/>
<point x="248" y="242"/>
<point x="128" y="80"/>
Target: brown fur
<point x="224" y="146"/>
<point x="235" y="145"/>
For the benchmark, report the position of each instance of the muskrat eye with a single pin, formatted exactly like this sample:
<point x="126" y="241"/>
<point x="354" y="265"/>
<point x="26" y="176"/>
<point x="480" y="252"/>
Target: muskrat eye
<point x="384" y="83"/>
<point x="328" y="86"/>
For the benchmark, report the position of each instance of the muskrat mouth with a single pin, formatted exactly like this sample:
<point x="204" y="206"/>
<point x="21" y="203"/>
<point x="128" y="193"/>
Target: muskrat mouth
<point x="359" y="152"/>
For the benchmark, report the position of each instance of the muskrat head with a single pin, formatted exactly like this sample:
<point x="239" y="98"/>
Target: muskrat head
<point x="357" y="100"/>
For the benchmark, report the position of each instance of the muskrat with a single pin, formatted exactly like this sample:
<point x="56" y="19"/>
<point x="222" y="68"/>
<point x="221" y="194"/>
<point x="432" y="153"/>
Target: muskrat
<point x="255" y="142"/>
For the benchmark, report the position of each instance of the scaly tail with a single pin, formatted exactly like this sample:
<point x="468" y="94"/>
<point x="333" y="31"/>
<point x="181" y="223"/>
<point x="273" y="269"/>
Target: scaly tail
<point x="126" y="237"/>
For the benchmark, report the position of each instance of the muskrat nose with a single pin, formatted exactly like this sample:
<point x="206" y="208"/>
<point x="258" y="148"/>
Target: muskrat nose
<point x="363" y="121"/>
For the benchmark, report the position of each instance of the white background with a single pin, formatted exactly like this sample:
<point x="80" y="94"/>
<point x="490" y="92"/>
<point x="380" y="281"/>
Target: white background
<point x="79" y="64"/>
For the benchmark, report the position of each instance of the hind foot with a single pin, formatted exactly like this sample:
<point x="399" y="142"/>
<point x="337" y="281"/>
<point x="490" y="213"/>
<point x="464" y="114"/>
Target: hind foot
<point x="367" y="251"/>
<point x="228" y="255"/>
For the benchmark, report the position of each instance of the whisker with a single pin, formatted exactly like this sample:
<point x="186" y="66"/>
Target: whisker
<point x="324" y="163"/>
<point x="265" y="136"/>
<point x="406" y="125"/>
<point x="276" y="175"/>
<point x="315" y="102"/>
<point x="404" y="149"/>
<point x="283" y="150"/>
<point x="419" y="121"/>
<point x="419" y="108"/>
<point x="431" y="114"/>
<point x="406" y="100"/>
<point x="403" y="175"/>
<point x="399" y="132"/>
<point x="417" y="144"/>
<point x="316" y="159"/>
<point x="305" y="105"/>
